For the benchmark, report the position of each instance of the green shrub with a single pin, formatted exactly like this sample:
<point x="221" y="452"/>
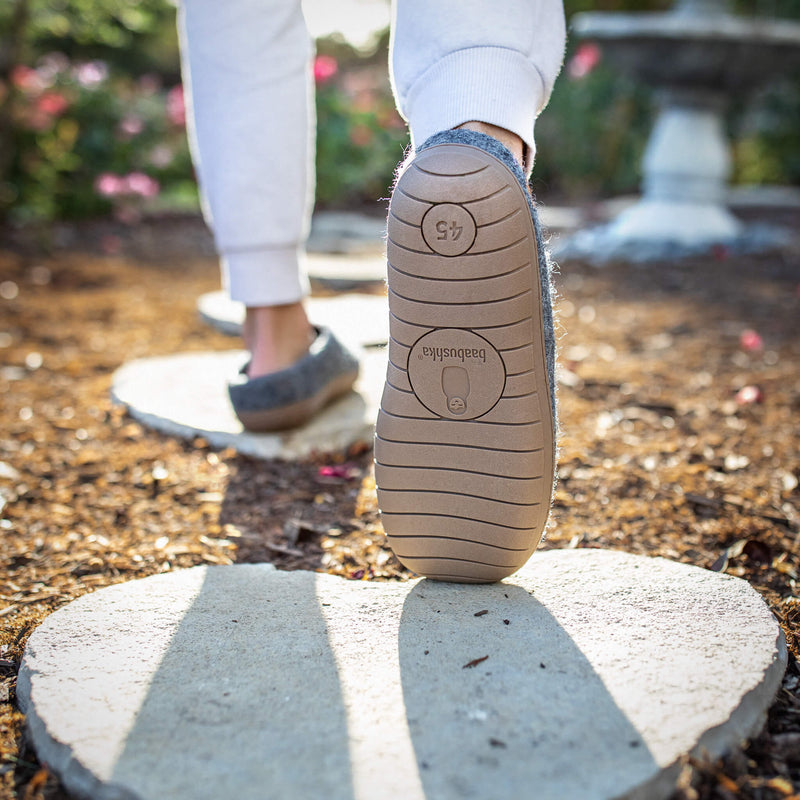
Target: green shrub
<point x="590" y="137"/>
<point x="87" y="143"/>
<point x="90" y="108"/>
<point x="360" y="137"/>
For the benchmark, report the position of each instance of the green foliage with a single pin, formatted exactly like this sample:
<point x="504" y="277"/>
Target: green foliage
<point x="126" y="31"/>
<point x="767" y="135"/>
<point x="360" y="135"/>
<point x="87" y="126"/>
<point x="591" y="136"/>
<point x="86" y="142"/>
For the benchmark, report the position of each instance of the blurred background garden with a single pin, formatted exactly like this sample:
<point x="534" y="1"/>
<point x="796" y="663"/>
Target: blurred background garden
<point x="92" y="113"/>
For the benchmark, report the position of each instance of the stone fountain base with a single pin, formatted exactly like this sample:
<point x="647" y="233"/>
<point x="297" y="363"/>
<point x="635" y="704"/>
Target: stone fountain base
<point x="638" y="236"/>
<point x="683" y="209"/>
<point x="697" y="56"/>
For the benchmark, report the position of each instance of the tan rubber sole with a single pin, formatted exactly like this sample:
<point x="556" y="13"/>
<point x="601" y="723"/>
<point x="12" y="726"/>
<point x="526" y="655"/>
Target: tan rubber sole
<point x="464" y="446"/>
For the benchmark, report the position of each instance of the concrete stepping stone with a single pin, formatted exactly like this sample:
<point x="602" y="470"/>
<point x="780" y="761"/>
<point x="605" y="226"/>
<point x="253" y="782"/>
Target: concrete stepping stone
<point x="346" y="272"/>
<point x="588" y="674"/>
<point x="186" y="395"/>
<point x="358" y="319"/>
<point x="346" y="232"/>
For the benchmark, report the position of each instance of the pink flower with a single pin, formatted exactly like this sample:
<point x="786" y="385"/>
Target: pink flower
<point x="52" y="104"/>
<point x="751" y="341"/>
<point x="176" y="106"/>
<point x="131" y="126"/>
<point x="26" y="79"/>
<point x="161" y="156"/>
<point x="137" y="183"/>
<point x="107" y="184"/>
<point x="91" y="73"/>
<point x="339" y="472"/>
<point x="585" y="59"/>
<point x="134" y="184"/>
<point x="325" y="67"/>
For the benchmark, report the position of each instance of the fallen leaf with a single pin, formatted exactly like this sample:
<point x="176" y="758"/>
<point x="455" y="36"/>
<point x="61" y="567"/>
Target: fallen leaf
<point x="757" y="551"/>
<point x="727" y="783"/>
<point x="781" y="785"/>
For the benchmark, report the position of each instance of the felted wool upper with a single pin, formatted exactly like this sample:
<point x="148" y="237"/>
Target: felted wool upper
<point x="326" y="360"/>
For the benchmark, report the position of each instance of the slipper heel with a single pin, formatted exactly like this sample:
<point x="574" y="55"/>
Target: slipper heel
<point x="464" y="450"/>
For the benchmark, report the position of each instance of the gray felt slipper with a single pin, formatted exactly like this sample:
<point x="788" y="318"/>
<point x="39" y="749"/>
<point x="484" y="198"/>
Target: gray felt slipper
<point x="289" y="398"/>
<point x="465" y="439"/>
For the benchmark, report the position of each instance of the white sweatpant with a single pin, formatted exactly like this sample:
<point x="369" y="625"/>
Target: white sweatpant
<point x="247" y="69"/>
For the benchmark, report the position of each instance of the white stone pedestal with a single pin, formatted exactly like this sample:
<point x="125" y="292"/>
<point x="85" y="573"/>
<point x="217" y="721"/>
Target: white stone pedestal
<point x="686" y="167"/>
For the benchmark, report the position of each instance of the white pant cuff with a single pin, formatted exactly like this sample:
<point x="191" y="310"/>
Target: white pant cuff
<point x="503" y="89"/>
<point x="268" y="277"/>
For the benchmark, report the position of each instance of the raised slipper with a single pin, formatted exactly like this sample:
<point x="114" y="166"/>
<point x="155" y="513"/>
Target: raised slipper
<point x="291" y="397"/>
<point x="465" y="438"/>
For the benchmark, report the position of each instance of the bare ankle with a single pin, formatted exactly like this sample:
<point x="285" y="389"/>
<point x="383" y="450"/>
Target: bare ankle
<point x="510" y="140"/>
<point x="276" y="336"/>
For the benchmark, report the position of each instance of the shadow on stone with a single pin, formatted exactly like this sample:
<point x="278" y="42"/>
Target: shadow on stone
<point x="241" y="705"/>
<point x="535" y="700"/>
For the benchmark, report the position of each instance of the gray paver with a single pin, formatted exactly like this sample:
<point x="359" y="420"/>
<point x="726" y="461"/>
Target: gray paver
<point x="588" y="676"/>
<point x="186" y="395"/>
<point x="347" y="273"/>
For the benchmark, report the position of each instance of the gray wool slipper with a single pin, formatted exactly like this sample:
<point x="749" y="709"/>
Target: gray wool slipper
<point x="465" y="438"/>
<point x="289" y="398"/>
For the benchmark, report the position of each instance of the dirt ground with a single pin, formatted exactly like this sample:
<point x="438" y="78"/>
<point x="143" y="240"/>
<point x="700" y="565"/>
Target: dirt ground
<point x="680" y="401"/>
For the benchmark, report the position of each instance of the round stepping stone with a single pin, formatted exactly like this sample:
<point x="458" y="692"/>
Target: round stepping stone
<point x="588" y="674"/>
<point x="346" y="232"/>
<point x="346" y="273"/>
<point x="358" y="319"/>
<point x="186" y="395"/>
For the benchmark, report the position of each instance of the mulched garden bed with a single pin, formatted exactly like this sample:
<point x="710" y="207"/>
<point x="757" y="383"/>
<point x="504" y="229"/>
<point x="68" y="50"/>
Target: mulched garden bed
<point x="680" y="408"/>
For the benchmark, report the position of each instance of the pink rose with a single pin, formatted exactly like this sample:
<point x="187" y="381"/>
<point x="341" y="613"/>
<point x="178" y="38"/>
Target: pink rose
<point x="131" y="126"/>
<point x="52" y="104"/>
<point x="176" y="106"/>
<point x="107" y="184"/>
<point x="140" y="184"/>
<point x="26" y="79"/>
<point x="325" y="67"/>
<point x="585" y="59"/>
<point x="91" y="73"/>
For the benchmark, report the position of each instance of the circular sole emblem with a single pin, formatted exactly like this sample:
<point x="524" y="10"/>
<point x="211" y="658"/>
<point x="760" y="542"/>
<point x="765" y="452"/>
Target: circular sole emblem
<point x="448" y="229"/>
<point x="455" y="373"/>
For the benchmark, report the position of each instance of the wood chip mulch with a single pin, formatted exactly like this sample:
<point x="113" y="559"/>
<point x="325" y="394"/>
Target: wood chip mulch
<point x="680" y="408"/>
